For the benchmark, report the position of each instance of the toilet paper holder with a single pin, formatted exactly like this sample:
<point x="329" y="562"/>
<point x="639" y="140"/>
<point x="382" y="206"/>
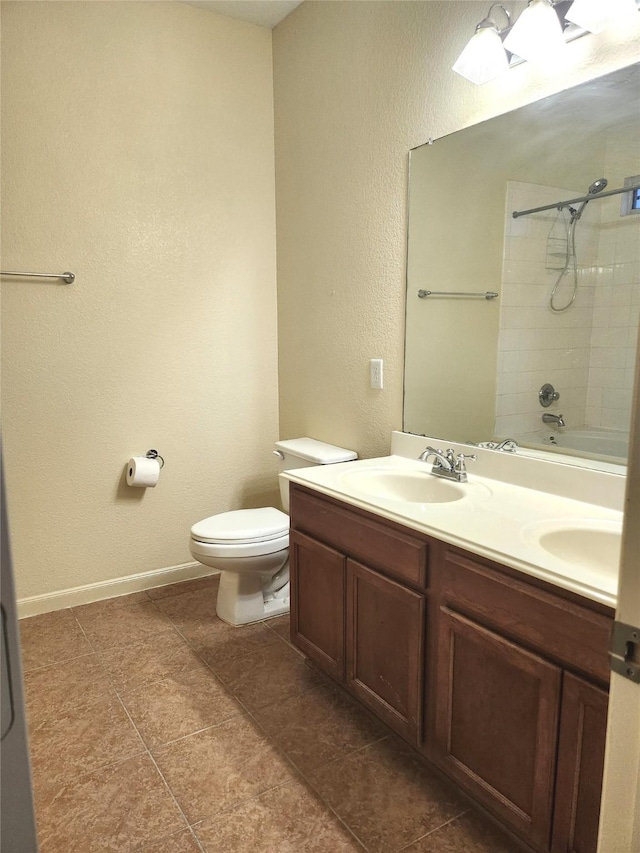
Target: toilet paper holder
<point x="153" y="454"/>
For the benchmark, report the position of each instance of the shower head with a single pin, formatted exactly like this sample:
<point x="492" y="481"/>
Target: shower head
<point x="598" y="186"/>
<point x="595" y="188"/>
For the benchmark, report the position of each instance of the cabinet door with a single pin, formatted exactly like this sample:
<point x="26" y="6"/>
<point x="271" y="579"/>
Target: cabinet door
<point x="385" y="626"/>
<point x="317" y="602"/>
<point x="583" y="727"/>
<point x="496" y="723"/>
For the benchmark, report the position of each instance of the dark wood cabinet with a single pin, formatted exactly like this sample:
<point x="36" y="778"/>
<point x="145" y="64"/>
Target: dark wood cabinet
<point x="496" y="723"/>
<point x="385" y="626"/>
<point x="583" y="725"/>
<point x="317" y="602"/>
<point x="496" y="677"/>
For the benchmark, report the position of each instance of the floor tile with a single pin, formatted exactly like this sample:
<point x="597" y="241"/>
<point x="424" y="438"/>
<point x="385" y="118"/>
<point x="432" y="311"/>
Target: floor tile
<point x="319" y="726"/>
<point x="266" y="675"/>
<point x="470" y="833"/>
<point x="221" y="767"/>
<point x="51" y="638"/>
<point x="149" y="660"/>
<point x="386" y="796"/>
<point x="52" y="690"/>
<point x="81" y="740"/>
<point x="289" y="819"/>
<point x="210" y="582"/>
<point x="179" y="705"/>
<point x="220" y="644"/>
<point x="194" y="614"/>
<point x="109" y="626"/>
<point x="281" y="625"/>
<point x="182" y="842"/>
<point x="108" y="604"/>
<point x="190" y="610"/>
<point x="115" y="809"/>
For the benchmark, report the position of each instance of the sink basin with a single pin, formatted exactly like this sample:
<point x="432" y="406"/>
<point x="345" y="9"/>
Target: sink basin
<point x="411" y="486"/>
<point x="591" y="545"/>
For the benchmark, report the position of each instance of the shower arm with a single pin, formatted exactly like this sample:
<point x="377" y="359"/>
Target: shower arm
<point x="560" y="204"/>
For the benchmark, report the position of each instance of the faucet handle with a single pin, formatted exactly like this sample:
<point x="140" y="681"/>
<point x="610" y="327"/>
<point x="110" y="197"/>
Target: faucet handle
<point x="461" y="468"/>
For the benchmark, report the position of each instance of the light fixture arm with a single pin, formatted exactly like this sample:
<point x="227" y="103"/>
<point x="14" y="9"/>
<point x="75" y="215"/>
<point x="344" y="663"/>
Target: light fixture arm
<point x="489" y="22"/>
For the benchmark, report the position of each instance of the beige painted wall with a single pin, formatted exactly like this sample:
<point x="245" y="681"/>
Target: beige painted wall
<point x="356" y="86"/>
<point x="137" y="152"/>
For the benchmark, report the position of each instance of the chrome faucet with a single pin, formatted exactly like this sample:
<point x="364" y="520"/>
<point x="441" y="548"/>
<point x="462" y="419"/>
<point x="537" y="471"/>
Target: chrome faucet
<point x="509" y="445"/>
<point x="553" y="419"/>
<point x="447" y="464"/>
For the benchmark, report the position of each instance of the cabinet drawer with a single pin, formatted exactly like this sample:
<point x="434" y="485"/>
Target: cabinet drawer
<point x="561" y="630"/>
<point x="377" y="543"/>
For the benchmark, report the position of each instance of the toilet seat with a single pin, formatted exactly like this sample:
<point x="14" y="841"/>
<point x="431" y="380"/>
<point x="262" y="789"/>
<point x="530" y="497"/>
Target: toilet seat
<point x="238" y="549"/>
<point x="241" y="533"/>
<point x="242" y="527"/>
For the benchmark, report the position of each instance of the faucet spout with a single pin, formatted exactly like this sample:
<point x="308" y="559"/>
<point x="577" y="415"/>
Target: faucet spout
<point x="444" y="459"/>
<point x="447" y="464"/>
<point x="553" y="419"/>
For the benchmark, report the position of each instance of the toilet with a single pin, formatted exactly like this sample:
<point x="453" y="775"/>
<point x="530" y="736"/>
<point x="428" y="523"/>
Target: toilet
<point x="250" y="547"/>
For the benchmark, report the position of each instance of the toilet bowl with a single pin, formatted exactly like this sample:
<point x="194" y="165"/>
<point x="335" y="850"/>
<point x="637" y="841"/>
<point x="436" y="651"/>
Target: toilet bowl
<point x="250" y="547"/>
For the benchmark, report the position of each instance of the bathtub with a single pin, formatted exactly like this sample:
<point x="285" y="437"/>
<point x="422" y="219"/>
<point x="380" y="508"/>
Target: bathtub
<point x="587" y="441"/>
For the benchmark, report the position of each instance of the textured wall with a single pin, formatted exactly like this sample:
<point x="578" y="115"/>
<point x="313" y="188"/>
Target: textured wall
<point x="356" y="85"/>
<point x="138" y="152"/>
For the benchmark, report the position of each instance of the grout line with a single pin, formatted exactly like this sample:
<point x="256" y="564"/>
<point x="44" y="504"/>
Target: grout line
<point x="284" y="756"/>
<point x="57" y="663"/>
<point x="432" y="831"/>
<point x="160" y="773"/>
<point x="245" y="713"/>
<point x="217" y="725"/>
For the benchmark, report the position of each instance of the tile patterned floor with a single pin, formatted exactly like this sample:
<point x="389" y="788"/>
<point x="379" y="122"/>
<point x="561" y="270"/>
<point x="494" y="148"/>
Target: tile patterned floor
<point x="155" y="727"/>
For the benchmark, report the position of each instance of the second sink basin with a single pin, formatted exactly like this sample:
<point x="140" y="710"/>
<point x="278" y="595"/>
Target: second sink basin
<point x="411" y="486"/>
<point x="591" y="545"/>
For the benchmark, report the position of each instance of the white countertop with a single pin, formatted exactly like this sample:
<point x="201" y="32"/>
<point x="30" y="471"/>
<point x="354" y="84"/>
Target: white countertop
<point x="496" y="519"/>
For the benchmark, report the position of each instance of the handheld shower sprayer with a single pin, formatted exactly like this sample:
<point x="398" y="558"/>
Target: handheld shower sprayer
<point x="571" y="262"/>
<point x="595" y="188"/>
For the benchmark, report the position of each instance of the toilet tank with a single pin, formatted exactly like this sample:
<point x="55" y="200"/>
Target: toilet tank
<point x="303" y="453"/>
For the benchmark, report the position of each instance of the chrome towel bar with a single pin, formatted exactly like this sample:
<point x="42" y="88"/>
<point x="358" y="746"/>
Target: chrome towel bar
<point x="67" y="277"/>
<point x="489" y="294"/>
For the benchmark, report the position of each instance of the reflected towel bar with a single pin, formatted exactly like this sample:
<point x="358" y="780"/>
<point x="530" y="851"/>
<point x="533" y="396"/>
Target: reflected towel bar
<point x="67" y="277"/>
<point x="489" y="294"/>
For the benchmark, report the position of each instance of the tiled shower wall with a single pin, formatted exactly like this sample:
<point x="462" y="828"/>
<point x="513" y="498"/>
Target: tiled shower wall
<point x="587" y="352"/>
<point x="617" y="296"/>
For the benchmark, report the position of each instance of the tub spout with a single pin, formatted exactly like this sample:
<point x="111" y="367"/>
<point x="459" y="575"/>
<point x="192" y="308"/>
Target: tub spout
<point x="553" y="419"/>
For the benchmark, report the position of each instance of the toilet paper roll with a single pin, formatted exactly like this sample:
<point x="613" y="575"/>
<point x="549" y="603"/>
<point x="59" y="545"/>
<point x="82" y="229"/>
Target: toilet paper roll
<point x="142" y="471"/>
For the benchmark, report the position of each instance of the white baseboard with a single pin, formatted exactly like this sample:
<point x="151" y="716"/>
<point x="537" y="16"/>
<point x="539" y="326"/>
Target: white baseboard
<point x="36" y="604"/>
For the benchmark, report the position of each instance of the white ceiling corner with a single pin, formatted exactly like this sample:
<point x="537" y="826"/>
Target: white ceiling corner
<point x="265" y="13"/>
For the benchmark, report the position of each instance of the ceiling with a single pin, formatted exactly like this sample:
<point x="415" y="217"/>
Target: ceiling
<point x="266" y="13"/>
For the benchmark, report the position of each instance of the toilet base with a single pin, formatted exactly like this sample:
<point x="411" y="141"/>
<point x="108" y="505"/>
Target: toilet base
<point x="242" y="600"/>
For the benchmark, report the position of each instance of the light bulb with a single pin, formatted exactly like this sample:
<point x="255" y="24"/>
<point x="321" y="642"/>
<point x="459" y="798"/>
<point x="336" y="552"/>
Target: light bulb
<point x="597" y="15"/>
<point x="537" y="34"/>
<point x="484" y="57"/>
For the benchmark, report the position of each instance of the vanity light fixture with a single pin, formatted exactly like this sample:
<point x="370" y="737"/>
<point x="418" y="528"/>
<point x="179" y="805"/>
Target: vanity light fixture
<point x="484" y="57"/>
<point x="539" y="34"/>
<point x="597" y="15"/>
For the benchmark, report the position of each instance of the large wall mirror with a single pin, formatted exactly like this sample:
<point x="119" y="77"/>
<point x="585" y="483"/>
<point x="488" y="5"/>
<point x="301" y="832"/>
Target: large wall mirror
<point x="566" y="279"/>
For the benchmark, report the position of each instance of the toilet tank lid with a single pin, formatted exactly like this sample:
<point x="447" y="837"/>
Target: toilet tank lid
<point x="316" y="451"/>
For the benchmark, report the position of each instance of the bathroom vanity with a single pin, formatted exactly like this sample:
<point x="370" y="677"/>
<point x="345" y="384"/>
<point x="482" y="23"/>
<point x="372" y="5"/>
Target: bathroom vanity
<point x="496" y="671"/>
